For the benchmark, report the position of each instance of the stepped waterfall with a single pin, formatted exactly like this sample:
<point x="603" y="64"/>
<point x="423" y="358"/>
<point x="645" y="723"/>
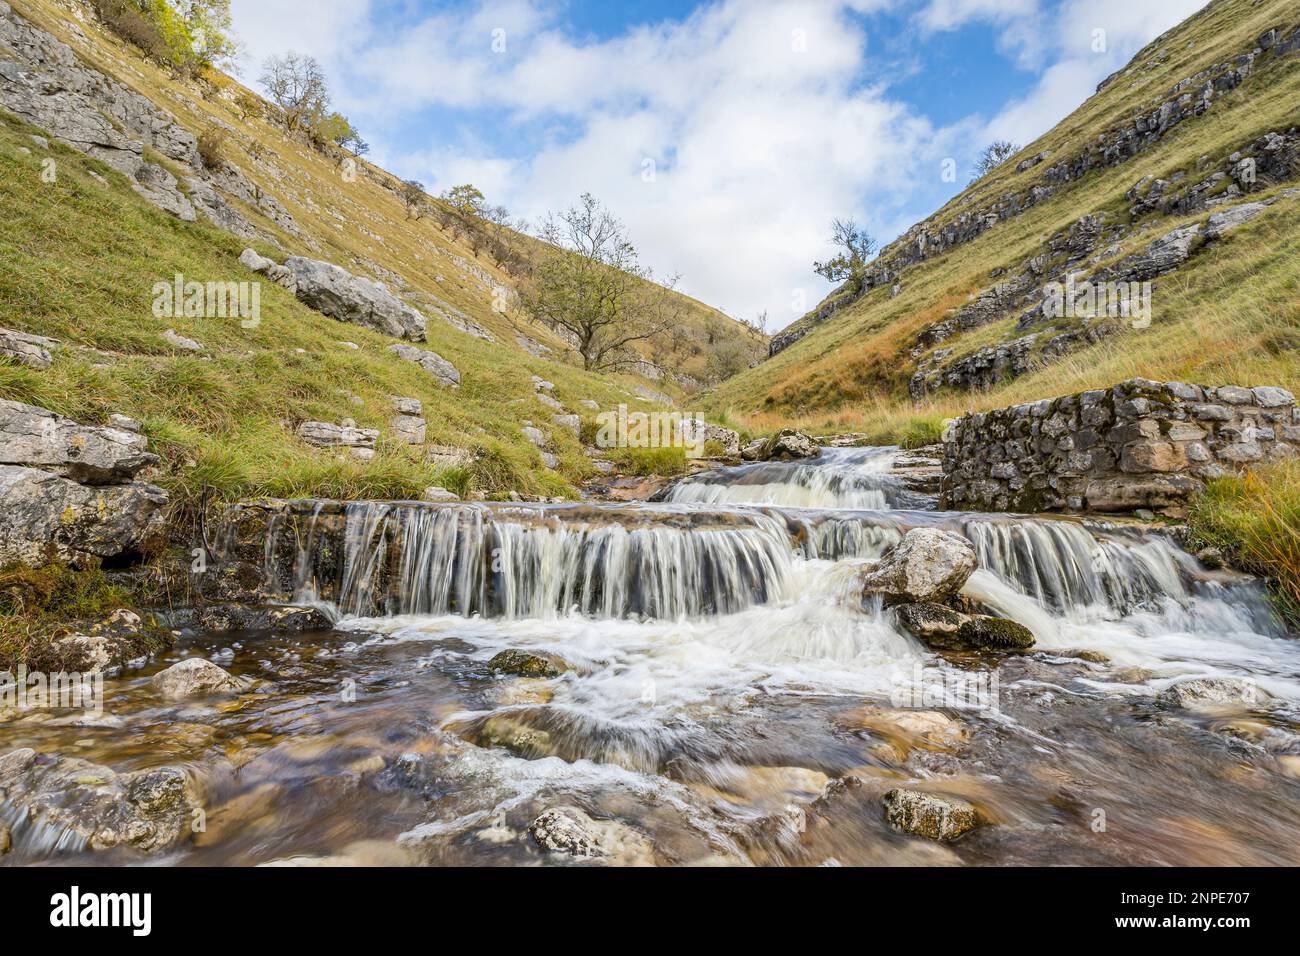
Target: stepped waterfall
<point x="702" y="678"/>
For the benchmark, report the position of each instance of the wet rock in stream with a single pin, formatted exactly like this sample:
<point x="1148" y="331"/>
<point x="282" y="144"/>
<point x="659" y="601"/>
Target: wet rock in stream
<point x="194" y="676"/>
<point x="929" y="815"/>
<point x="1216" y="694"/>
<point x="266" y="617"/>
<point x="570" y="831"/>
<point x="928" y="565"/>
<point x="65" y="801"/>
<point x="524" y="664"/>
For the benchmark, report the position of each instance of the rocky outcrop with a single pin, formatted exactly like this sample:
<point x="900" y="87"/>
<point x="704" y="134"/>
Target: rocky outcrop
<point x="930" y="815"/>
<point x="928" y="565"/>
<point x="993" y="365"/>
<point x="262" y="617"/>
<point x="107" y="645"/>
<point x="333" y="291"/>
<point x="44" y="82"/>
<point x="38" y="438"/>
<point x="1139" y="444"/>
<point x="31" y="350"/>
<point x="696" y="430"/>
<point x="360" y="442"/>
<point x="68" y="802"/>
<point x="69" y="492"/>
<point x="1191" y="97"/>
<point x="408" y="424"/>
<point x="48" y="518"/>
<point x="433" y="363"/>
<point x="280" y="275"/>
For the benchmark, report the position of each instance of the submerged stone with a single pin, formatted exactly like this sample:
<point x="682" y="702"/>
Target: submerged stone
<point x="525" y="664"/>
<point x="929" y="815"/>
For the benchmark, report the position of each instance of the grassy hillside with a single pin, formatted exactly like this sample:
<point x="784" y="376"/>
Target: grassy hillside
<point x="1228" y="315"/>
<point x="79" y="257"/>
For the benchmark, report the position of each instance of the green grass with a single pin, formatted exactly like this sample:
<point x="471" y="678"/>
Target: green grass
<point x="78" y="262"/>
<point x="1255" y="520"/>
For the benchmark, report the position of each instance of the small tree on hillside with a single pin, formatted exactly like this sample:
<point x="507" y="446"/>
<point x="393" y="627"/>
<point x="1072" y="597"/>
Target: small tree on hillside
<point x="208" y="24"/>
<point x="589" y="285"/>
<point x="297" y="85"/>
<point x="338" y="129"/>
<point x="994" y="155"/>
<point x="855" y="247"/>
<point x="413" y="198"/>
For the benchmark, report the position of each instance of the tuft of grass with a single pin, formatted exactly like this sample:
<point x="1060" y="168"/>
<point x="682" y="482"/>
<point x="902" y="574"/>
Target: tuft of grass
<point x="915" y="432"/>
<point x="650" y="461"/>
<point x="1255" y="520"/>
<point x="36" y="602"/>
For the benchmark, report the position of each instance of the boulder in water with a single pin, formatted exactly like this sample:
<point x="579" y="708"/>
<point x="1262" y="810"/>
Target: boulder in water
<point x="570" y="831"/>
<point x="194" y="676"/>
<point x="1216" y="694"/>
<point x="68" y="797"/>
<point x="928" y="565"/>
<point x="787" y="445"/>
<point x="994" y="634"/>
<point x="929" y="622"/>
<point x="930" y="815"/>
<point x="525" y="664"/>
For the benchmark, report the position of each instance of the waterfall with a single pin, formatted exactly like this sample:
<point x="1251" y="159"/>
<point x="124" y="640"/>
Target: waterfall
<point x="1066" y="567"/>
<point x="542" y="562"/>
<point x="841" y="478"/>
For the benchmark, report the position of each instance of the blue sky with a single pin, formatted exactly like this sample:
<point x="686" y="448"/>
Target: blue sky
<point x="726" y="134"/>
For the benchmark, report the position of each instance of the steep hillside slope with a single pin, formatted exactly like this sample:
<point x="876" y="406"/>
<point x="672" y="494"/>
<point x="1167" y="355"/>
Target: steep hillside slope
<point x="89" y="232"/>
<point x="1180" y="171"/>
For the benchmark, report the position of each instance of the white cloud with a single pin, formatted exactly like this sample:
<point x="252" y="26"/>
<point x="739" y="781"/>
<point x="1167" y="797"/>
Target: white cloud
<point x="754" y="113"/>
<point x="951" y="14"/>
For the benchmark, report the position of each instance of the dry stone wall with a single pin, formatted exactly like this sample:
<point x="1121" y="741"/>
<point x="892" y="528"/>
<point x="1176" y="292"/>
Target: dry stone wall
<point x="1136" y="445"/>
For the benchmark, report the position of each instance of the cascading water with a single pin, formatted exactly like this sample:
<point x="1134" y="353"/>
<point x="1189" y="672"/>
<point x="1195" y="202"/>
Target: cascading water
<point x="840" y="478"/>
<point x="719" y="666"/>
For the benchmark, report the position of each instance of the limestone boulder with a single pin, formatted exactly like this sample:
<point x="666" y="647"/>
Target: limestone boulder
<point x="38" y="438"/>
<point x="928" y="565"/>
<point x="333" y="291"/>
<point x="193" y="677"/>
<point x="50" y="518"/>
<point x="433" y="363"/>
<point x="73" y="802"/>
<point x="31" y="350"/>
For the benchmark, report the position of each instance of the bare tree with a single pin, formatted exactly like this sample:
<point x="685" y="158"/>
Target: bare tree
<point x="413" y="198"/>
<point x="855" y="247"/>
<point x="590" y="286"/>
<point x="297" y="85"/>
<point x="995" y="154"/>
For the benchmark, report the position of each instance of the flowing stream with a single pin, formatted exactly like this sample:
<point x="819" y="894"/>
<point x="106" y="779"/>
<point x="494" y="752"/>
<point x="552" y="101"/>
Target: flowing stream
<point x="723" y="670"/>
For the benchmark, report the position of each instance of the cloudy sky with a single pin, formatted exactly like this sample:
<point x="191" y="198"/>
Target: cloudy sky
<point x="726" y="134"/>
